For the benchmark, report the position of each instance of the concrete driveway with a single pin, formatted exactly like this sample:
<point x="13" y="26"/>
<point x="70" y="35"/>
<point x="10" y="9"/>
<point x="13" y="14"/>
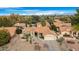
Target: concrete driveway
<point x="52" y="45"/>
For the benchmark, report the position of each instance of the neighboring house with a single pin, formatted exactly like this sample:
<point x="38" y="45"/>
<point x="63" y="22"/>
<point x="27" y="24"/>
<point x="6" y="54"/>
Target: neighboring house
<point x="63" y="27"/>
<point x="11" y="30"/>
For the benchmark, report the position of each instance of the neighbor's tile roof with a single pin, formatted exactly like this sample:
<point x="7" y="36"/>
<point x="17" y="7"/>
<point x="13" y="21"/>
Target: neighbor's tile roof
<point x="11" y="30"/>
<point x="62" y="26"/>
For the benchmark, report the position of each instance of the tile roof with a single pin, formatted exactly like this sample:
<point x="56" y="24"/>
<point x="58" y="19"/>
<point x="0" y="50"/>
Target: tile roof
<point x="11" y="30"/>
<point x="62" y="26"/>
<point x="45" y="30"/>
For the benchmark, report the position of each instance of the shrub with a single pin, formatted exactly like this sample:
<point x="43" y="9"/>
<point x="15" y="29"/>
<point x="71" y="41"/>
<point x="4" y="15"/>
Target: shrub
<point x="71" y="42"/>
<point x="53" y="27"/>
<point x="43" y="23"/>
<point x="60" y="40"/>
<point x="6" y="22"/>
<point x="66" y="35"/>
<point x="30" y="41"/>
<point x="37" y="47"/>
<point x="26" y="36"/>
<point x="18" y="31"/>
<point x="4" y="37"/>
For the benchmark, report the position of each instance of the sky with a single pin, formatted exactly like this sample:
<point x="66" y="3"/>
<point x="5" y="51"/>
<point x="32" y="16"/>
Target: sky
<point x="38" y="10"/>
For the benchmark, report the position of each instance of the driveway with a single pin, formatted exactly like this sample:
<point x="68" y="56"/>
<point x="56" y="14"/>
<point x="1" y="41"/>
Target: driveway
<point x="19" y="44"/>
<point x="52" y="45"/>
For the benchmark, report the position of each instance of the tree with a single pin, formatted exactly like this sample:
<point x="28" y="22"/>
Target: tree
<point x="6" y="21"/>
<point x="43" y="23"/>
<point x="50" y="19"/>
<point x="14" y="17"/>
<point x="53" y="27"/>
<point x="75" y="20"/>
<point x="28" y="21"/>
<point x="76" y="27"/>
<point x="42" y="20"/>
<point x="77" y="16"/>
<point x="35" y="19"/>
<point x="4" y="37"/>
<point x="18" y="31"/>
<point x="65" y="19"/>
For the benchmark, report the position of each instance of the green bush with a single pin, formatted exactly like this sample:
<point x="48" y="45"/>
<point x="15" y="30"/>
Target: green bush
<point x="18" y="31"/>
<point x="6" y="22"/>
<point x="4" y="37"/>
<point x="43" y="23"/>
<point x="53" y="27"/>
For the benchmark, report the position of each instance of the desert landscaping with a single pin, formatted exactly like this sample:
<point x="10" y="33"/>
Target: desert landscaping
<point x="39" y="32"/>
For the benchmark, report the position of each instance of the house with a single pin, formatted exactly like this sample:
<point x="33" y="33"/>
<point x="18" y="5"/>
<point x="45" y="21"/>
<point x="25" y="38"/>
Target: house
<point x="41" y="32"/>
<point x="63" y="27"/>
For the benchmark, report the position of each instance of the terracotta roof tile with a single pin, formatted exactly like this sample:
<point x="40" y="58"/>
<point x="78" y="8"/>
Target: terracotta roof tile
<point x="11" y="30"/>
<point x="45" y="30"/>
